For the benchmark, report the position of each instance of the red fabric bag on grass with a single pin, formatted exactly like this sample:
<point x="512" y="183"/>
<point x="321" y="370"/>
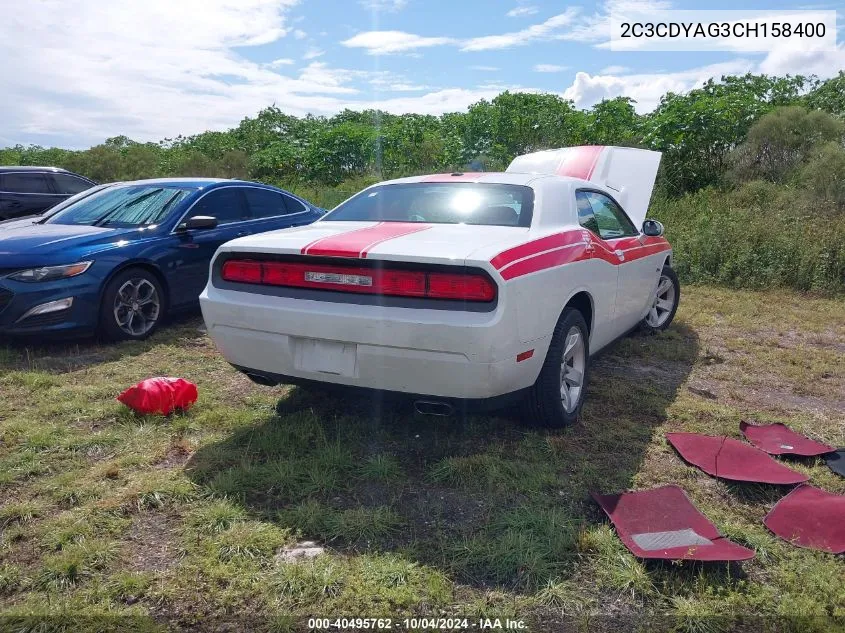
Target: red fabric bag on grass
<point x="160" y="395"/>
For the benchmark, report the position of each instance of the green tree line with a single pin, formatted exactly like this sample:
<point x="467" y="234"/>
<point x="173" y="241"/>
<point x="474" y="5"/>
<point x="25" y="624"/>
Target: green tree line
<point x="696" y="132"/>
<point x="752" y="180"/>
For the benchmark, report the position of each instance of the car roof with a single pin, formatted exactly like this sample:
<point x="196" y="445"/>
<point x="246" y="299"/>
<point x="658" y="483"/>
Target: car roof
<point x="197" y="182"/>
<point x="58" y="170"/>
<point x="185" y="182"/>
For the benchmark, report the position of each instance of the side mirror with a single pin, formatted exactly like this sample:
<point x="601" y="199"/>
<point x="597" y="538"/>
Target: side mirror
<point x="198" y="222"/>
<point x="652" y="228"/>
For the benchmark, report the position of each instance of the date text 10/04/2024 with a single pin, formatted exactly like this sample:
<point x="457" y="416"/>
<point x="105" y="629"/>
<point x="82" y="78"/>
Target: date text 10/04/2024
<point x="383" y="624"/>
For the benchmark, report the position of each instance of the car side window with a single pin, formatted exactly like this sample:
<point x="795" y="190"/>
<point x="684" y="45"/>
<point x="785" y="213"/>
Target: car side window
<point x="293" y="205"/>
<point x="586" y="217"/>
<point x="611" y="220"/>
<point x="227" y="205"/>
<point x="265" y="203"/>
<point x="69" y="185"/>
<point x="24" y="183"/>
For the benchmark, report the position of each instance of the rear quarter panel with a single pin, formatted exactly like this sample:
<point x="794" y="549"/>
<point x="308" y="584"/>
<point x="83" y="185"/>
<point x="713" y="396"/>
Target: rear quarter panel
<point x="552" y="267"/>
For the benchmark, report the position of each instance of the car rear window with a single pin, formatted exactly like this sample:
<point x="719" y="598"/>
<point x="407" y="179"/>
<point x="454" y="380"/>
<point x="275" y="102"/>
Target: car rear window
<point x="440" y="203"/>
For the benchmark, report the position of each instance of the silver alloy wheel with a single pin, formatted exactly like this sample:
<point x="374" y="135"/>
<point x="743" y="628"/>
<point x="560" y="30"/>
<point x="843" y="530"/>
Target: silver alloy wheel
<point x="664" y="301"/>
<point x="137" y="307"/>
<point x="572" y="367"/>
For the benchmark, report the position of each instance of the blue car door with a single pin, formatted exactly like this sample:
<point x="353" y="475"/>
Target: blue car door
<point x="189" y="258"/>
<point x="271" y="210"/>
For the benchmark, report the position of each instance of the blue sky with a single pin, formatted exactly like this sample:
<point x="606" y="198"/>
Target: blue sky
<point x="78" y="71"/>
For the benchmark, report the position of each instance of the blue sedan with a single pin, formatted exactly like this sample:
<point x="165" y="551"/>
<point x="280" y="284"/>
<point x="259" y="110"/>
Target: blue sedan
<point x="116" y="259"/>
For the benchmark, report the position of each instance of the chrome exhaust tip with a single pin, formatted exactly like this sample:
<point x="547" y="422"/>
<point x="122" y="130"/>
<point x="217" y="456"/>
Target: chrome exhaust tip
<point x="433" y="407"/>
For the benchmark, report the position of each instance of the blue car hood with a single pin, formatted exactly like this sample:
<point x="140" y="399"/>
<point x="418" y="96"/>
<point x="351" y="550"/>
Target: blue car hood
<point x="24" y="240"/>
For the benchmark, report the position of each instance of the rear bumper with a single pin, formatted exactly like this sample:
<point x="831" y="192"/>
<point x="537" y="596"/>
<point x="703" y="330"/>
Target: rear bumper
<point x="465" y="405"/>
<point x="445" y="354"/>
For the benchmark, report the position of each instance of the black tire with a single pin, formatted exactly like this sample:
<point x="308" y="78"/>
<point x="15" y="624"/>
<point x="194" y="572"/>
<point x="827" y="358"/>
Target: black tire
<point x="652" y="328"/>
<point x="110" y="329"/>
<point x="545" y="405"/>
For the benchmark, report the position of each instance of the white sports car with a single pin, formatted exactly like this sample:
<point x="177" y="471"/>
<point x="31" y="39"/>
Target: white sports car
<point x="455" y="289"/>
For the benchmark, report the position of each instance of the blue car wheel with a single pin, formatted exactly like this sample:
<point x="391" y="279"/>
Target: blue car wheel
<point x="133" y="305"/>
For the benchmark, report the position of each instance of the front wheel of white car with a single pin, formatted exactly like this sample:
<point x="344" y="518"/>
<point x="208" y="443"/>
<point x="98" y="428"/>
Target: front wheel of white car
<point x="665" y="302"/>
<point x="556" y="397"/>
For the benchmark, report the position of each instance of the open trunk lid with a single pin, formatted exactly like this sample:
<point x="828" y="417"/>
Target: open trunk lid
<point x="626" y="171"/>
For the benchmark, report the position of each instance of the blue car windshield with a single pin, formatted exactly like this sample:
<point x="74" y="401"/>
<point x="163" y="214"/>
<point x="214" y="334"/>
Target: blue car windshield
<point x="123" y="205"/>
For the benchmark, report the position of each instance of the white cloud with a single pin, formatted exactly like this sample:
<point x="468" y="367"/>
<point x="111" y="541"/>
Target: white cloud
<point x="383" y="5"/>
<point x="545" y="30"/>
<point x="278" y="63"/>
<point x="521" y="11"/>
<point x="646" y="89"/>
<point x="438" y="102"/>
<point x="386" y="42"/>
<point x="79" y="71"/>
<point x="300" y="34"/>
<point x="614" y="70"/>
<point x="596" y="27"/>
<point x="313" y="53"/>
<point x="821" y="63"/>
<point x="401" y="87"/>
<point x="318" y="77"/>
<point x="383" y="42"/>
<point x="549" y="68"/>
<point x="486" y="69"/>
<point x="391" y="82"/>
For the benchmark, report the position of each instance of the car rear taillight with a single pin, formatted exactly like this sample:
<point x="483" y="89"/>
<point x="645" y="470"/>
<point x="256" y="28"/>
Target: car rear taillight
<point x="465" y="287"/>
<point x="374" y="281"/>
<point x="247" y="272"/>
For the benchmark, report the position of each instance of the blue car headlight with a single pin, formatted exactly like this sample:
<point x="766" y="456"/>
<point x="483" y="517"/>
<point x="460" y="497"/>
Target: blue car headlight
<point x="51" y="273"/>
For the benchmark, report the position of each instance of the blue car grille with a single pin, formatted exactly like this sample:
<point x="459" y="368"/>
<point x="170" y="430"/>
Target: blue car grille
<point x="5" y="298"/>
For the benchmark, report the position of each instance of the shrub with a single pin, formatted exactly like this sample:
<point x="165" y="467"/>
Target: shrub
<point x="824" y="175"/>
<point x="757" y="236"/>
<point x="781" y="141"/>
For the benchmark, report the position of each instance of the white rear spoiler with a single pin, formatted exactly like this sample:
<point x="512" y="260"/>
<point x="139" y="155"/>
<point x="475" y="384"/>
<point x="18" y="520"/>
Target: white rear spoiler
<point x="627" y="172"/>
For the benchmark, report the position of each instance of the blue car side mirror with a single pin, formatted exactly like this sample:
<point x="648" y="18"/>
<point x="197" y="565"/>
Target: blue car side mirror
<point x="198" y="222"/>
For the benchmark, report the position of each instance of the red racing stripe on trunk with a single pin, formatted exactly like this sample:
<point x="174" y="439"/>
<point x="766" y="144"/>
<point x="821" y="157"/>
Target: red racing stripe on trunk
<point x="359" y="242"/>
<point x="580" y="162"/>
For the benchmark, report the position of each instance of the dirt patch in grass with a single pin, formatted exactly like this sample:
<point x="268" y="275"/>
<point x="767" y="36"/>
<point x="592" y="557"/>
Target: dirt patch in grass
<point x="781" y="401"/>
<point x="434" y="512"/>
<point x="152" y="544"/>
<point x="177" y="455"/>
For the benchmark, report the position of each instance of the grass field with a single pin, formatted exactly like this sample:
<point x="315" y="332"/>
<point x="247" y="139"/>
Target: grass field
<point x="156" y="523"/>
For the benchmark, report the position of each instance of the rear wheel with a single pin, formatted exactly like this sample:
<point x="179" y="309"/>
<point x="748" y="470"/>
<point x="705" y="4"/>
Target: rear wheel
<point x="556" y="398"/>
<point x="132" y="306"/>
<point x="665" y="303"/>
